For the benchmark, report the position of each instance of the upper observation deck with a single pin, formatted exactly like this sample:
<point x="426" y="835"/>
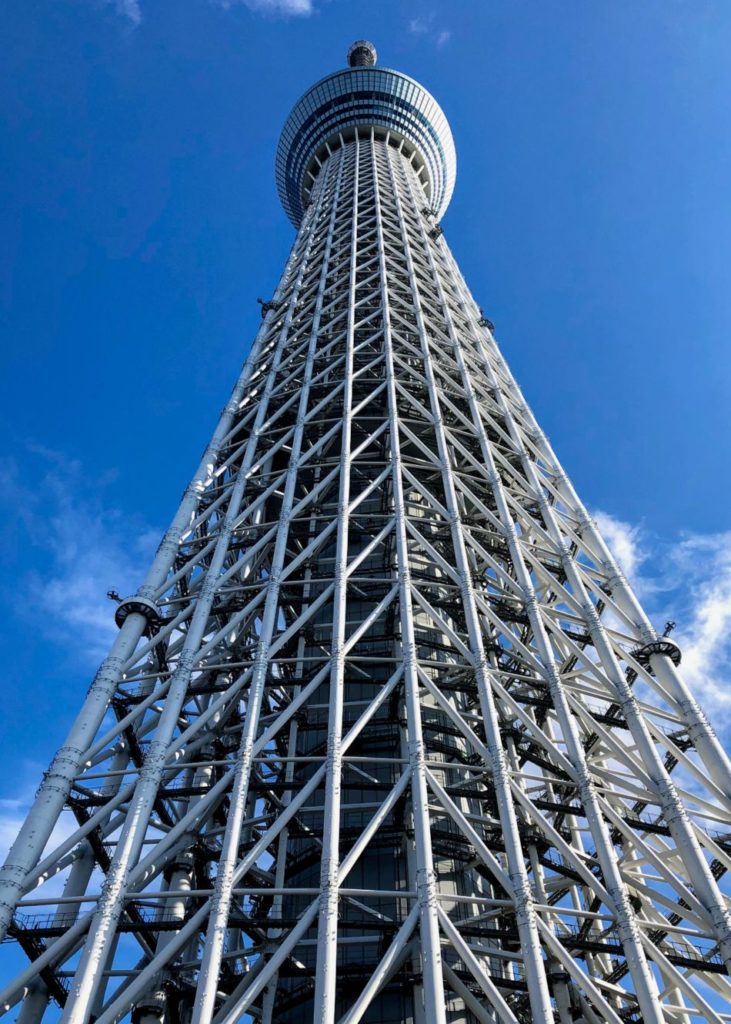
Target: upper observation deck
<point x="358" y="98"/>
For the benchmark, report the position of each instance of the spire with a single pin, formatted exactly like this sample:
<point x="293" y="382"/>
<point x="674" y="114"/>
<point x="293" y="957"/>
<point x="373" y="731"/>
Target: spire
<point x="362" y="54"/>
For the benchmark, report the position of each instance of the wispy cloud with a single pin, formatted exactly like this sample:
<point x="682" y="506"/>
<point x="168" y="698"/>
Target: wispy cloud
<point x="14" y="809"/>
<point x="72" y="545"/>
<point x="420" y="26"/>
<point x="687" y="579"/>
<point x="283" y="8"/>
<point x="625" y="542"/>
<point x="81" y="546"/>
<point x="129" y="9"/>
<point x="702" y="564"/>
<point x="425" y="25"/>
<point x="12" y="815"/>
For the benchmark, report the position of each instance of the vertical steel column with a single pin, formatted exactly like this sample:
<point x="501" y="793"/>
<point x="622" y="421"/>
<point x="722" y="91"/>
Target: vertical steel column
<point x="36" y="1002"/>
<point x="269" y="997"/>
<point x="53" y="791"/>
<point x="327" y="934"/>
<point x="34" y="1005"/>
<point x="425" y="877"/>
<point x="525" y="912"/>
<point x="713" y="755"/>
<point x="704" y="884"/>
<point x="210" y="966"/>
<point x="110" y="905"/>
<point x="644" y="982"/>
<point x="56" y="785"/>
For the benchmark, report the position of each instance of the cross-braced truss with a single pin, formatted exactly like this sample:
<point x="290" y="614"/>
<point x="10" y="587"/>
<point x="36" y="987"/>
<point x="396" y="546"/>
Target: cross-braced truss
<point x="385" y="735"/>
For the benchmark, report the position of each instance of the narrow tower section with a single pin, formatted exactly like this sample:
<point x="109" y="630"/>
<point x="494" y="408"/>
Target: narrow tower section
<point x="385" y="735"/>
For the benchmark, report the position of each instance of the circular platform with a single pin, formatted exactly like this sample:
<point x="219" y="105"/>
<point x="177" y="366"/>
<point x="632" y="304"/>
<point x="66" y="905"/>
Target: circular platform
<point x="357" y="99"/>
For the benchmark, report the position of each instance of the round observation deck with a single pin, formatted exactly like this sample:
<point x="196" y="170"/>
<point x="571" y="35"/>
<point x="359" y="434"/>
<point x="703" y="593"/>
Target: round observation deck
<point x="355" y="100"/>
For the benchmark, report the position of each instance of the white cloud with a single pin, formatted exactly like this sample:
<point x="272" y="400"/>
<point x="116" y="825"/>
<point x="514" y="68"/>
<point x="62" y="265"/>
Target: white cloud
<point x="12" y="815"/>
<point x="129" y="9"/>
<point x="699" y="568"/>
<point x="624" y="541"/>
<point x="81" y="547"/>
<point x="286" y="8"/>
<point x="423" y="25"/>
<point x="132" y="12"/>
<point x="420" y="26"/>
<point x="14" y="809"/>
<point x="688" y="580"/>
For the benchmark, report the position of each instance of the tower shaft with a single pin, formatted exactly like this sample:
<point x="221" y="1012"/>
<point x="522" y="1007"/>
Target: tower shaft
<point x="385" y="735"/>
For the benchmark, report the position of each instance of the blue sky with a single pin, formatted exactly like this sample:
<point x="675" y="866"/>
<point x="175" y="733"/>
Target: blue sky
<point x="139" y="222"/>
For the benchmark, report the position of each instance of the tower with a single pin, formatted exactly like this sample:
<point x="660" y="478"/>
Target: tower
<point x="385" y="735"/>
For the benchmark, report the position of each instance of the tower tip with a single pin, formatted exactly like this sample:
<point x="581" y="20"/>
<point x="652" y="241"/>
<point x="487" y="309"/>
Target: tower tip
<point x="362" y="54"/>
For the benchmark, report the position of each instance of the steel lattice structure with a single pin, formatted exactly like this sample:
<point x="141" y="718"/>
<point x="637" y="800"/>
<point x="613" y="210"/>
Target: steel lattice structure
<point x="385" y="735"/>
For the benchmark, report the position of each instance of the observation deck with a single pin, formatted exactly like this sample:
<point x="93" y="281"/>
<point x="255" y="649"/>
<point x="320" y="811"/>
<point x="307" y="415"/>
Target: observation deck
<point x="354" y="100"/>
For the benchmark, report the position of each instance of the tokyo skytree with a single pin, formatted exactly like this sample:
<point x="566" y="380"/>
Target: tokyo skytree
<point x="384" y="735"/>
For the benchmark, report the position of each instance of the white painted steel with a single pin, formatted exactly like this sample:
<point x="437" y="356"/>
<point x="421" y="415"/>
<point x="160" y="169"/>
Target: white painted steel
<point x="381" y="741"/>
<point x="431" y="961"/>
<point x="327" y="937"/>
